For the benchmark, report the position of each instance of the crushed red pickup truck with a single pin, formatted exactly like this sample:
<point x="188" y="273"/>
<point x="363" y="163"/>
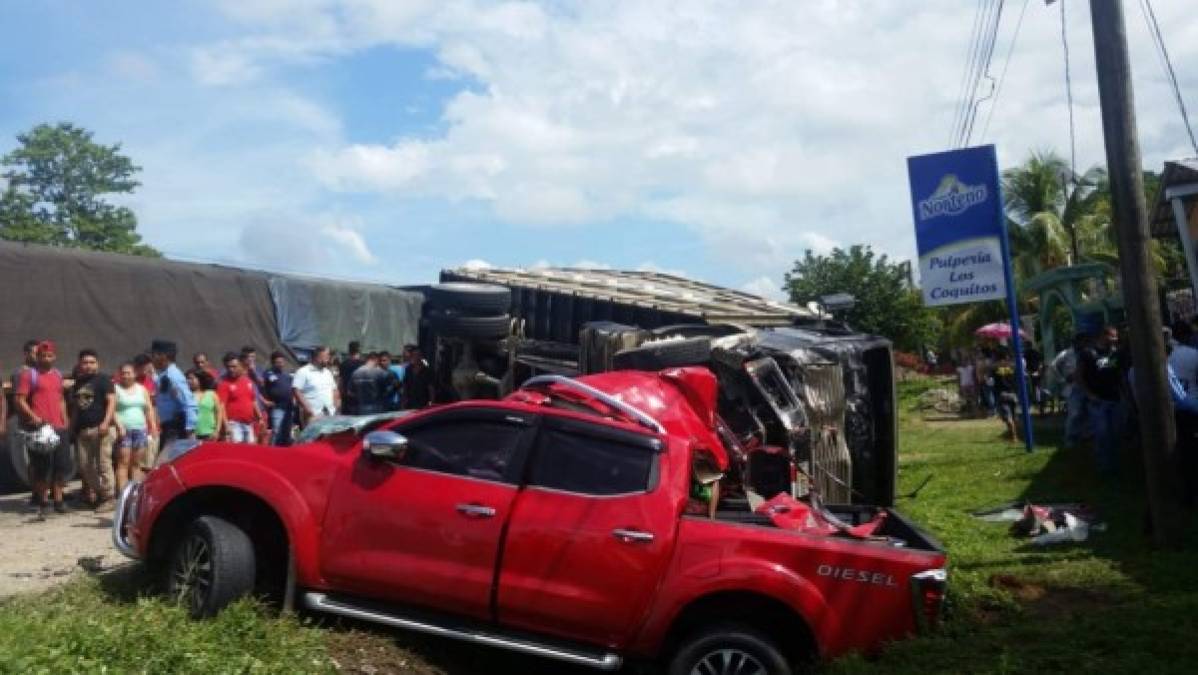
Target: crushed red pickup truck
<point x="591" y="520"/>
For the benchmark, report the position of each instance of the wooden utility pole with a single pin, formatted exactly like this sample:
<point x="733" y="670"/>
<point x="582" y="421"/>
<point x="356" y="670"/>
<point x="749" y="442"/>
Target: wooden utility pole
<point x="1157" y="432"/>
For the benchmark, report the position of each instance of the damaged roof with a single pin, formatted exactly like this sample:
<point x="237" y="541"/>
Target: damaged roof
<point x="664" y="292"/>
<point x="1177" y="175"/>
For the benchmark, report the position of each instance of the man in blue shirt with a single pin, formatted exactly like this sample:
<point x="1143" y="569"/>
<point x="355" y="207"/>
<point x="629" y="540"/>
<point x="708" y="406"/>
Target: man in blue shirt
<point x="175" y="405"/>
<point x="276" y="391"/>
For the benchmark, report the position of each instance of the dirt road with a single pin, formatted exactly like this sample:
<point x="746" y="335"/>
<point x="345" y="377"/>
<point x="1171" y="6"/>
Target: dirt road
<point x="37" y="555"/>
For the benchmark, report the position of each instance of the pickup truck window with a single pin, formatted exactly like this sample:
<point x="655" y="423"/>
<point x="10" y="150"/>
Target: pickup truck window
<point x="588" y="465"/>
<point x="478" y="449"/>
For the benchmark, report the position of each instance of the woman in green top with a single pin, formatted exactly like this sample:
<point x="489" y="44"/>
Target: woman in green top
<point x="210" y="414"/>
<point x="136" y="423"/>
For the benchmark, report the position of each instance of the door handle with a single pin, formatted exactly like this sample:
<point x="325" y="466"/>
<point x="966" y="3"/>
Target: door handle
<point x="632" y="536"/>
<point x="476" y="510"/>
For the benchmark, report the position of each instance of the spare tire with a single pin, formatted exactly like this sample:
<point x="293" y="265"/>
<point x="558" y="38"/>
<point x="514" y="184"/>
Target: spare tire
<point x="469" y="298"/>
<point x="665" y="354"/>
<point x="450" y="324"/>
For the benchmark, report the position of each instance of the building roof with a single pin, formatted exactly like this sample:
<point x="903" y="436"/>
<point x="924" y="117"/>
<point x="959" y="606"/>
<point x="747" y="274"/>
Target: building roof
<point x="1176" y="174"/>
<point x="655" y="290"/>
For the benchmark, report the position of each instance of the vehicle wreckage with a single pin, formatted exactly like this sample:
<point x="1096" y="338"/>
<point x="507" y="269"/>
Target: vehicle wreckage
<point x="807" y="403"/>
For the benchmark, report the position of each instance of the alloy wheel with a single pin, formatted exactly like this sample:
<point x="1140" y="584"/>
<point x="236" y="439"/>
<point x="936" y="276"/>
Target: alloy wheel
<point x="729" y="661"/>
<point x="191" y="575"/>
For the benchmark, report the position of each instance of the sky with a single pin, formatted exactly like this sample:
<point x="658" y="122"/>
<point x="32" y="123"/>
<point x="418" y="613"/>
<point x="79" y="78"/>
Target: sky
<point x="386" y="140"/>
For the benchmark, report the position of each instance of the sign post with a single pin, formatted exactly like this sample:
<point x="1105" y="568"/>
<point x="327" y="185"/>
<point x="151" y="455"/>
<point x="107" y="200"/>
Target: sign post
<point x="961" y="235"/>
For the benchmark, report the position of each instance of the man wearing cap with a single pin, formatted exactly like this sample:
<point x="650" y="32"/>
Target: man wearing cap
<point x="40" y="404"/>
<point x="173" y="400"/>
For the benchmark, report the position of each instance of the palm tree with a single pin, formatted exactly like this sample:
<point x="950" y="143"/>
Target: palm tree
<point x="1049" y="205"/>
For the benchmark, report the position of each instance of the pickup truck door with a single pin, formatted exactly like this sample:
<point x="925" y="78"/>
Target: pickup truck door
<point x="425" y="529"/>
<point x="590" y="535"/>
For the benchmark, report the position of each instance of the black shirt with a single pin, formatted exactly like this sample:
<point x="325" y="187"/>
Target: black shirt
<point x="89" y="399"/>
<point x="276" y="387"/>
<point x="1100" y="373"/>
<point x="369" y="386"/>
<point x="416" y="385"/>
<point x="346" y="371"/>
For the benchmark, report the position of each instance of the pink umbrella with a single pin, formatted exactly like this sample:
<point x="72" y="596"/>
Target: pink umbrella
<point x="998" y="331"/>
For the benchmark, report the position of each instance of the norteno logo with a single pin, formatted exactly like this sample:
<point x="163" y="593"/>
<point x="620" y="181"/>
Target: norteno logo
<point x="951" y="198"/>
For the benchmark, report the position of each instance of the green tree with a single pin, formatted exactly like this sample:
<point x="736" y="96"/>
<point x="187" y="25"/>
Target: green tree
<point x="1051" y="211"/>
<point x="887" y="304"/>
<point x="57" y="179"/>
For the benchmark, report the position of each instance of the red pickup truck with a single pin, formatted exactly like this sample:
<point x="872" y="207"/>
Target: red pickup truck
<point x="586" y="520"/>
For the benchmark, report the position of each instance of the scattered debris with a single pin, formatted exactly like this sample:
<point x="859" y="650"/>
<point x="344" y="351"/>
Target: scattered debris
<point x="1046" y="524"/>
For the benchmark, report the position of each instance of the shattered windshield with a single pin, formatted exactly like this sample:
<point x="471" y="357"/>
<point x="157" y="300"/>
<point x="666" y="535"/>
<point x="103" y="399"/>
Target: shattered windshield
<point x="338" y="424"/>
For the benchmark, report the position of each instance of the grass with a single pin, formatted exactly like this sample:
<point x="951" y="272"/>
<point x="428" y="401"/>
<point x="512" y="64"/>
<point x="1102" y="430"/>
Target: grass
<point x="1108" y="605"/>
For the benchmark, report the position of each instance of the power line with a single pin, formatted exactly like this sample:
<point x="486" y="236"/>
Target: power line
<point x="970" y="49"/>
<point x="1069" y="97"/>
<point x="977" y="70"/>
<point x="1006" y="64"/>
<point x="1163" y="52"/>
<point x="984" y="72"/>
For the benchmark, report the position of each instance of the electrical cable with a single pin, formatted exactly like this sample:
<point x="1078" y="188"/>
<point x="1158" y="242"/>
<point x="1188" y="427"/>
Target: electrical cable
<point x="977" y="70"/>
<point x="1069" y="98"/>
<point x="971" y="46"/>
<point x="1006" y="64"/>
<point x="992" y="42"/>
<point x="1159" y="39"/>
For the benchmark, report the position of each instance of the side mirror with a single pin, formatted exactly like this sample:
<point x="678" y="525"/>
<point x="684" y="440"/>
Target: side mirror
<point x="384" y="445"/>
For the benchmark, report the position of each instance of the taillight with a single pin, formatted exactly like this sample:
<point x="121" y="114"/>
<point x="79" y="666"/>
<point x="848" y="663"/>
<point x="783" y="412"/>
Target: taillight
<point x="927" y="598"/>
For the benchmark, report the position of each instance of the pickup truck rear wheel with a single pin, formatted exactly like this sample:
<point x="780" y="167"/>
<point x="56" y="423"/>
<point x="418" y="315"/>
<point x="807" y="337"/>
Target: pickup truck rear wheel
<point x="211" y="566"/>
<point x="731" y="649"/>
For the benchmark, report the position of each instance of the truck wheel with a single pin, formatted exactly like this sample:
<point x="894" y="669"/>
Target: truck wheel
<point x="449" y="324"/>
<point x="732" y="649"/>
<point x="665" y="354"/>
<point x="469" y="298"/>
<point x="211" y="566"/>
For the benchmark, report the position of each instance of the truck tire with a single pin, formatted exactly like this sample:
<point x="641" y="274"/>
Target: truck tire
<point x="666" y="354"/>
<point x="472" y="299"/>
<point x="730" y="649"/>
<point x="451" y="324"/>
<point x="211" y="565"/>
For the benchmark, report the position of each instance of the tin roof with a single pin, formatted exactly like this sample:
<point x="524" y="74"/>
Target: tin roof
<point x="1176" y="174"/>
<point x="655" y="290"/>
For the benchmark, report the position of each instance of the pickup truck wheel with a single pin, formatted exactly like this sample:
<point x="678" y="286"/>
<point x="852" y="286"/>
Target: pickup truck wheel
<point x="729" y="650"/>
<point x="211" y="566"/>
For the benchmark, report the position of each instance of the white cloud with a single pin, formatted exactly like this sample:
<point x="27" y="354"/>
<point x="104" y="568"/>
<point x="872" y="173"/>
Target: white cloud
<point x="477" y="264"/>
<point x="349" y="241"/>
<point x="764" y="287"/>
<point x="320" y="246"/>
<point x="762" y="128"/>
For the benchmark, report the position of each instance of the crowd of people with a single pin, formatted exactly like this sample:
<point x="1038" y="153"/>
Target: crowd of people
<point x="114" y="423"/>
<point x="1094" y="377"/>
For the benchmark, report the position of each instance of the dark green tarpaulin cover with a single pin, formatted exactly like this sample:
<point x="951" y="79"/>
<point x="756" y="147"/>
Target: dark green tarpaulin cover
<point x="313" y="312"/>
<point x="117" y="304"/>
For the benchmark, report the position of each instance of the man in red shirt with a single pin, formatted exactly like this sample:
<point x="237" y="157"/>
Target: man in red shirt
<point x="200" y="361"/>
<point x="238" y="395"/>
<point x="43" y="412"/>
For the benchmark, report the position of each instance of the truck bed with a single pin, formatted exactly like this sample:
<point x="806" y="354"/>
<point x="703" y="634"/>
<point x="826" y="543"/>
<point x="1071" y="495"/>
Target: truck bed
<point x="896" y="528"/>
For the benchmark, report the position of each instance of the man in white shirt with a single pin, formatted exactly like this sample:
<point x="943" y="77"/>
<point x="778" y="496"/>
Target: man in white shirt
<point x="1064" y="367"/>
<point x="315" y="387"/>
<point x="1184" y="358"/>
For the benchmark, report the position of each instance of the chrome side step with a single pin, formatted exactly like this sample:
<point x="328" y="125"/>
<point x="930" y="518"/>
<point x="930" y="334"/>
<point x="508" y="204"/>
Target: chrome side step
<point x="321" y="602"/>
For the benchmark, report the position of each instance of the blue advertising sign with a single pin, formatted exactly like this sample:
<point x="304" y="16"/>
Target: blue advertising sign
<point x="959" y="227"/>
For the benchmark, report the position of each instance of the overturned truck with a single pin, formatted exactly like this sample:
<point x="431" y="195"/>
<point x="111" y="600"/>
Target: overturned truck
<point x="807" y="404"/>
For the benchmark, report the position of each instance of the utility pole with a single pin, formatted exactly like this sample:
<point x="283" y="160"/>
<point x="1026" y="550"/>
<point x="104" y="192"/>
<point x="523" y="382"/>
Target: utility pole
<point x="1157" y="432"/>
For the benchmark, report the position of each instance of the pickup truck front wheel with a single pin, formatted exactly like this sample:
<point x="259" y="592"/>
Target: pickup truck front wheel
<point x="729" y="650"/>
<point x="211" y="566"/>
